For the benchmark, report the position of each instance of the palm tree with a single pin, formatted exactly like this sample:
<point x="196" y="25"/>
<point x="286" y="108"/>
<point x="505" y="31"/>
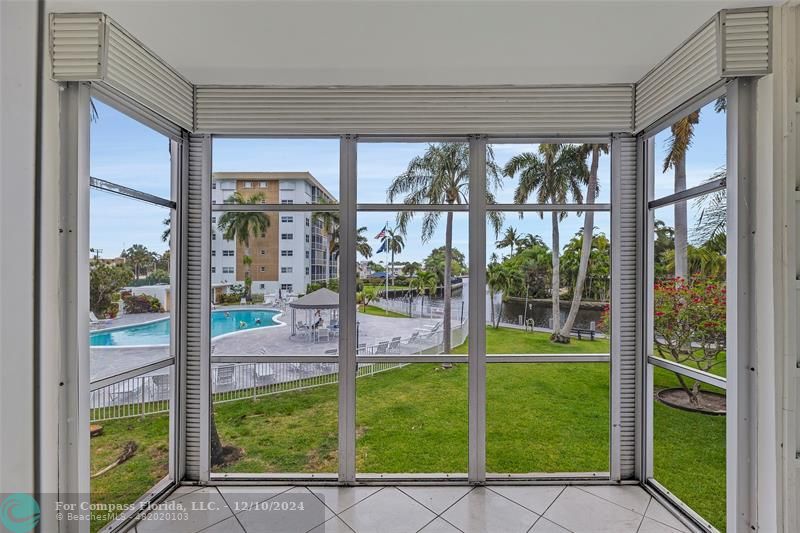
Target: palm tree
<point x="555" y="174"/>
<point x="330" y="227"/>
<point x="510" y="239"/>
<point x="241" y="225"/>
<point x="678" y="145"/>
<point x="410" y="269"/>
<point x="168" y="223"/>
<point x="592" y="188"/>
<point x="139" y="258"/>
<point x="529" y="241"/>
<point x="395" y="244"/>
<point x="441" y="176"/>
<point x="425" y="281"/>
<point x="362" y="243"/>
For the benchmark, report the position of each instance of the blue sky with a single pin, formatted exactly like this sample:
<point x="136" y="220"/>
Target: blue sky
<point x="129" y="153"/>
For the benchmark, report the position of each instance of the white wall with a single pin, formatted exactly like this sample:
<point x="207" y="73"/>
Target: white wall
<point x="18" y="49"/>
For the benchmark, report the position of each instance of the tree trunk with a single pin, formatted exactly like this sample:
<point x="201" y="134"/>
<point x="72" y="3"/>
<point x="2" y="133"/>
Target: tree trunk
<point x="500" y="314"/>
<point x="681" y="223"/>
<point x="556" y="284"/>
<point x="216" y="443"/>
<point x="448" y="259"/>
<point x="491" y="300"/>
<point x="586" y="250"/>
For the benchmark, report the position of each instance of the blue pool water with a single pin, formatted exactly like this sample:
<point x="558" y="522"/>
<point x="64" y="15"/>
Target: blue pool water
<point x="158" y="332"/>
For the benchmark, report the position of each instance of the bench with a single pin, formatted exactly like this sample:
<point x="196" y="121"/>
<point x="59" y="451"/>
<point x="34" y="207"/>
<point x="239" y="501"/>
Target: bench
<point x="580" y="332"/>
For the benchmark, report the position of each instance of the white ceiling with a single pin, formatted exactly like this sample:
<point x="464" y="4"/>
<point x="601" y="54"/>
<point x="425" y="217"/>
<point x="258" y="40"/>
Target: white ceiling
<point x="379" y="42"/>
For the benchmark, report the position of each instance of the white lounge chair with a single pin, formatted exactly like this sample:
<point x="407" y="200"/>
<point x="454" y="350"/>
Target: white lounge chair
<point x="97" y="321"/>
<point x="225" y="376"/>
<point x="381" y="348"/>
<point x="323" y="335"/>
<point x="394" y="346"/>
<point x="262" y="374"/>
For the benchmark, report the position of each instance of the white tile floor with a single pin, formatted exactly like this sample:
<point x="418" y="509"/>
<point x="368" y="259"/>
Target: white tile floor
<point x="427" y="509"/>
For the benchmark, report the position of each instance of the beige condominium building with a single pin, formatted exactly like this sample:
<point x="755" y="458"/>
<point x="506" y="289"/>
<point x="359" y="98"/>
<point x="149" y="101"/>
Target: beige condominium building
<point x="294" y="251"/>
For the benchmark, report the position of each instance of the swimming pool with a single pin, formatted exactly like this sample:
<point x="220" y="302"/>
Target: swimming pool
<point x="157" y="332"/>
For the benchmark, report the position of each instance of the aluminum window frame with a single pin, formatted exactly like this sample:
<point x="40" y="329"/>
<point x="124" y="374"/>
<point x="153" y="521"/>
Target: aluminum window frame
<point x="570" y="207"/>
<point x="650" y="203"/>
<point x="348" y="208"/>
<point x="78" y="101"/>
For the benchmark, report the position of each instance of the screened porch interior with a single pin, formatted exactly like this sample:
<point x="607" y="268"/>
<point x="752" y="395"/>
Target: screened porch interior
<point x="412" y="275"/>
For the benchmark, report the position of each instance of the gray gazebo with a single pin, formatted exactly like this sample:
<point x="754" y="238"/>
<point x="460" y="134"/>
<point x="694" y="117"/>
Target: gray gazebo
<point x="320" y="299"/>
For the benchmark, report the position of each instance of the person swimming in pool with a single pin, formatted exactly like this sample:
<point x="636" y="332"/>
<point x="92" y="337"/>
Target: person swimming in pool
<point x="227" y="314"/>
<point x="242" y="324"/>
<point x="258" y="321"/>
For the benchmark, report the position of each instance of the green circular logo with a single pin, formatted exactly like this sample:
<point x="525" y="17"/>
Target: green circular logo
<point x="19" y="512"/>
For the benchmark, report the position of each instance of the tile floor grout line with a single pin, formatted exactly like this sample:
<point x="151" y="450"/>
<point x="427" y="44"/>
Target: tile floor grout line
<point x="609" y="501"/>
<point x="259" y="502"/>
<point x="334" y="517"/>
<point x="338" y="515"/>
<point x="524" y="507"/>
<point x="207" y="525"/>
<point x="428" y="508"/>
<point x="659" y="521"/>
<point x="440" y="515"/>
<point x="328" y="507"/>
<point x="548" y="508"/>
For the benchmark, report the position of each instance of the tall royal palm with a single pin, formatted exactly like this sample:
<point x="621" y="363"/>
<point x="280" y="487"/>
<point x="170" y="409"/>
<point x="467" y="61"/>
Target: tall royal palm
<point x="395" y="244"/>
<point x="241" y="225"/>
<point x="555" y="174"/>
<point x="441" y="176"/>
<point x="592" y="188"/>
<point x="678" y="144"/>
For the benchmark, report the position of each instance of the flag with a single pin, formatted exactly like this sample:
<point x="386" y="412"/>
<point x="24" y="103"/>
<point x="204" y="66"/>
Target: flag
<point x="384" y="246"/>
<point x="382" y="234"/>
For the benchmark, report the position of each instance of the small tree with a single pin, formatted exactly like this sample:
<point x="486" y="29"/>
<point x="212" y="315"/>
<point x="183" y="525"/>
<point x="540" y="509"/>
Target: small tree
<point x="689" y="325"/>
<point x="104" y="281"/>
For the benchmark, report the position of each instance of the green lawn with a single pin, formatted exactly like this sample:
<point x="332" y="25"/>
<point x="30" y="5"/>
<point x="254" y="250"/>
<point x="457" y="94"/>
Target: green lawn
<point x="377" y="311"/>
<point x="545" y="417"/>
<point x="131" y="479"/>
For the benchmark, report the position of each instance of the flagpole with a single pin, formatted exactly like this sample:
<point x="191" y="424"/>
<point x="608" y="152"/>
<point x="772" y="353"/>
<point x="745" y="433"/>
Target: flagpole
<point x="385" y="237"/>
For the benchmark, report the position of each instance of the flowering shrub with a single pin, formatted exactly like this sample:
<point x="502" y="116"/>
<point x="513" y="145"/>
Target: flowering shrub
<point x="689" y="323"/>
<point x="604" y="324"/>
<point x="142" y="303"/>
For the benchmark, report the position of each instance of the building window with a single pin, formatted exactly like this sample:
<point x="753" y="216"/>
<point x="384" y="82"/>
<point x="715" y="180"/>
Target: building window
<point x="308" y="254"/>
<point x="286" y="287"/>
<point x="213" y="236"/>
<point x="228" y="270"/>
<point x="306" y="271"/>
<point x="248" y="184"/>
<point x="213" y="270"/>
<point x="263" y="252"/>
<point x="262" y="184"/>
<point x="286" y="270"/>
<point x="287" y="220"/>
<point x="213" y="220"/>
<point x="287" y="236"/>
<point x="214" y="185"/>
<point x="228" y="253"/>
<point x="261" y="285"/>
<point x="307" y="238"/>
<point x="213" y="253"/>
<point x="263" y="269"/>
<point x="308" y="221"/>
<point x="287" y="202"/>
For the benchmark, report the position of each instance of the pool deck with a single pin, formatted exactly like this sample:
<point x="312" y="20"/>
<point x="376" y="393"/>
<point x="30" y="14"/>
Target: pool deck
<point x="108" y="361"/>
